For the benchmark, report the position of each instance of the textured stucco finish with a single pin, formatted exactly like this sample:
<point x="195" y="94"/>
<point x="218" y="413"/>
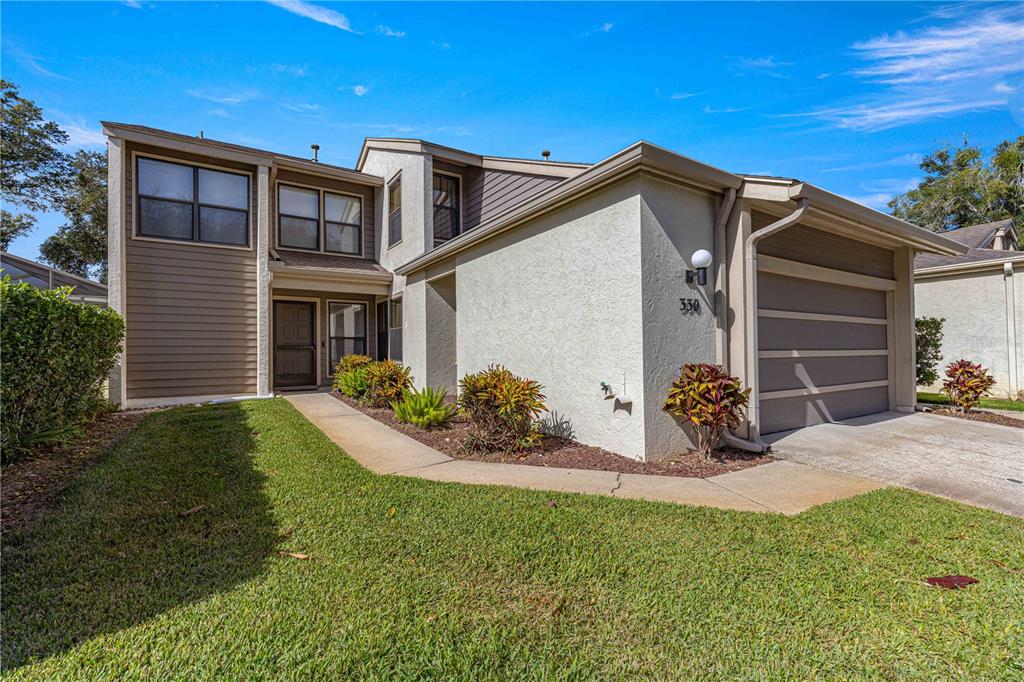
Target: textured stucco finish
<point x="117" y="382"/>
<point x="674" y="222"/>
<point x="974" y="306"/>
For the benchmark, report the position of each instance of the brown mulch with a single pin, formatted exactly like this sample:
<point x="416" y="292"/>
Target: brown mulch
<point x="31" y="486"/>
<point x="554" y="451"/>
<point x="981" y="416"/>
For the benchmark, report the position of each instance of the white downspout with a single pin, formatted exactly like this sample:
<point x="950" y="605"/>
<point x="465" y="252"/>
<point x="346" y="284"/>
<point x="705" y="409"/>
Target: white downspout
<point x="750" y="309"/>
<point x="1011" y="330"/>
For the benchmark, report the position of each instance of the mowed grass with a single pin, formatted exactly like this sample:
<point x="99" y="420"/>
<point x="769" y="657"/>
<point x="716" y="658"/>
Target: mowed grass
<point x="993" y="403"/>
<point x="409" y="579"/>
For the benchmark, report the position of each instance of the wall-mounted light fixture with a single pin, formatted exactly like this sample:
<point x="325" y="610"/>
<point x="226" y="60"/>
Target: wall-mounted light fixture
<point x="700" y="260"/>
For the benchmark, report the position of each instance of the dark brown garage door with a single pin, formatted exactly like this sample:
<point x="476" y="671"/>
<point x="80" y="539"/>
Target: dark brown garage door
<point x="294" y="344"/>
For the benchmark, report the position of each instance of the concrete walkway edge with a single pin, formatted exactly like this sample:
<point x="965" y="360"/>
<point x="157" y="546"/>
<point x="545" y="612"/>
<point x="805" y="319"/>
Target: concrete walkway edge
<point x="782" y="487"/>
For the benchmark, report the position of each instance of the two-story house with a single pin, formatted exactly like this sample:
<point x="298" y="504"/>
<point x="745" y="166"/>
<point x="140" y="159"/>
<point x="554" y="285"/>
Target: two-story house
<point x="243" y="272"/>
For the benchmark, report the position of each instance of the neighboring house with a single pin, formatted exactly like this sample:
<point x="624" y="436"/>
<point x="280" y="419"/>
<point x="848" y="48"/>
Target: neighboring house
<point x="981" y="296"/>
<point x="45" y="277"/>
<point x="244" y="272"/>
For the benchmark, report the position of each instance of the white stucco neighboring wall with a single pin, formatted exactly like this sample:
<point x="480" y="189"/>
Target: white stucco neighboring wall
<point x="974" y="305"/>
<point x="675" y="222"/>
<point x="560" y="301"/>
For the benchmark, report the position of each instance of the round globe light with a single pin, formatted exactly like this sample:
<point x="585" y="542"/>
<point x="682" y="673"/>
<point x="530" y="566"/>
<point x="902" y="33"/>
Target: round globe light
<point x="701" y="258"/>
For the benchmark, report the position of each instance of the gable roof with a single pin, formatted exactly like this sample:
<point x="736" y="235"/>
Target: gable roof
<point x="978" y="240"/>
<point x="46" y="277"/>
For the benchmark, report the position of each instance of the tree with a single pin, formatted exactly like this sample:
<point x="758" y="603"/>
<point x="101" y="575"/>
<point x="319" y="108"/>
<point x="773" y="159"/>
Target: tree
<point x="80" y="245"/>
<point x="32" y="168"/>
<point x="962" y="187"/>
<point x="929" y="349"/>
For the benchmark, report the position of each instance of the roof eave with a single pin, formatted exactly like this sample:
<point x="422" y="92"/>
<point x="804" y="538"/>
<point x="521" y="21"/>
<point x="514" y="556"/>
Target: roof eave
<point x="972" y="266"/>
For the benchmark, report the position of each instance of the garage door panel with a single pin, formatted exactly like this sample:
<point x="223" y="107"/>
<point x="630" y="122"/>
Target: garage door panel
<point x="778" y="292"/>
<point x="780" y="374"/>
<point x="784" y="334"/>
<point x="783" y="414"/>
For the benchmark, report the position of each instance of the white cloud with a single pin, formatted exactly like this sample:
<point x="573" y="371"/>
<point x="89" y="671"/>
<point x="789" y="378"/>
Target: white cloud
<point x="443" y="44"/>
<point x="359" y="90"/>
<point x="725" y="110"/>
<point x="912" y="159"/>
<point x="880" y="192"/>
<point x="607" y="26"/>
<point x="34" y="63"/>
<point x="1004" y="88"/>
<point x="224" y="98"/>
<point x="390" y="32"/>
<point x="765" y="66"/>
<point x="687" y="95"/>
<point x="317" y="13"/>
<point x="134" y="4"/>
<point x="222" y="113"/>
<point x="80" y="135"/>
<point x="877" y="200"/>
<point x="959" y="65"/>
<point x="299" y="71"/>
<point x="301" y="107"/>
<point x="823" y="76"/>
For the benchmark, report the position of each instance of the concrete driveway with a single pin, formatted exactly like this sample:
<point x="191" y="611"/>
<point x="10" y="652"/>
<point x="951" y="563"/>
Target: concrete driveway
<point x="973" y="462"/>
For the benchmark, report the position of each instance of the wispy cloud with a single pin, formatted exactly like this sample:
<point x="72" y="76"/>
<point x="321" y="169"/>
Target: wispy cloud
<point x="301" y="107"/>
<point x="765" y="66"/>
<point x="290" y="69"/>
<point x="880" y="192"/>
<point x="607" y="27"/>
<point x="687" y="95"/>
<point x="34" y="62"/>
<point x="1004" y="88"/>
<point x="442" y="44"/>
<point x="317" y="13"/>
<point x="912" y="159"/>
<point x="220" y="113"/>
<point x="224" y="98"/>
<point x="81" y="135"/>
<point x="962" y="64"/>
<point x="390" y="32"/>
<point x="134" y="4"/>
<point x="359" y="89"/>
<point x="708" y="109"/>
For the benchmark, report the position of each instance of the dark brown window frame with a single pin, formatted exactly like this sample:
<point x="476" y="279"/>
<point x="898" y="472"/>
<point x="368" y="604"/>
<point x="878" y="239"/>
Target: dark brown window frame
<point x="454" y="212"/>
<point x="194" y="203"/>
<point x="321" y="221"/>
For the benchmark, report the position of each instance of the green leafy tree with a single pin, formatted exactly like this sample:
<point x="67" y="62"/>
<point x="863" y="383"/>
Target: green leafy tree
<point x="964" y="187"/>
<point x="32" y="167"/>
<point x="80" y="245"/>
<point x="929" y="349"/>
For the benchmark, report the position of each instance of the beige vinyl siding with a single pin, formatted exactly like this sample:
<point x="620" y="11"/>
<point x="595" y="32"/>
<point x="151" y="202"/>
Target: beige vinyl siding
<point x="322" y="299"/>
<point x="331" y="185"/>
<point x="190" y="308"/>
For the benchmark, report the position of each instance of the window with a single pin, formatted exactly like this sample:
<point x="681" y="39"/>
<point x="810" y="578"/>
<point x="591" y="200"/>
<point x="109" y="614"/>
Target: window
<point x="395" y="331"/>
<point x="395" y="211"/>
<point x="299" y="220"/>
<point x="347" y="326"/>
<point x="446" y="208"/>
<point x="178" y="201"/>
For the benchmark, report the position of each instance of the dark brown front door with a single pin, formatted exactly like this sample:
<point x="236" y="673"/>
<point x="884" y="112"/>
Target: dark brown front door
<point x="294" y="344"/>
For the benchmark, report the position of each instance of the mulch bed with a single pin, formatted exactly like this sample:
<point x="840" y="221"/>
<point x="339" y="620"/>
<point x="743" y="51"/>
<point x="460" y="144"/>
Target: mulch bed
<point x="554" y="451"/>
<point x="981" y="416"/>
<point x="31" y="486"/>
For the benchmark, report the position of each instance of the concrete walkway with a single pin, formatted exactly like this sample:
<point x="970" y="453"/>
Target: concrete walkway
<point x="785" y="487"/>
<point x="968" y="461"/>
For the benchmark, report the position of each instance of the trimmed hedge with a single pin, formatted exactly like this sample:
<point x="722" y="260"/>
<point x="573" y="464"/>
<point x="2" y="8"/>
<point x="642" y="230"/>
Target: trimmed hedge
<point x="55" y="357"/>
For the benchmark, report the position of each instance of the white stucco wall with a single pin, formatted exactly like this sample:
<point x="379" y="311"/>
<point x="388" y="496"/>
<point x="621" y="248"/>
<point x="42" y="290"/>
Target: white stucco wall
<point x="559" y="301"/>
<point x="675" y="222"/>
<point x="974" y="306"/>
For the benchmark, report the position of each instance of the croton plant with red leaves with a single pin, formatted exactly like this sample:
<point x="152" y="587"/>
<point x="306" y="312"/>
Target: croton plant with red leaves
<point x="966" y="384"/>
<point x="709" y="401"/>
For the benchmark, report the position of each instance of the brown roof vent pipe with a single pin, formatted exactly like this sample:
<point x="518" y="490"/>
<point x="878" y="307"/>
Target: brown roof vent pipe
<point x="316" y="150"/>
<point x="546" y="154"/>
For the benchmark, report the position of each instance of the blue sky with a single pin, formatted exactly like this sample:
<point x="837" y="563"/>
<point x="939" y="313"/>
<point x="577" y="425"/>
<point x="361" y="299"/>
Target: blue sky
<point x="847" y="96"/>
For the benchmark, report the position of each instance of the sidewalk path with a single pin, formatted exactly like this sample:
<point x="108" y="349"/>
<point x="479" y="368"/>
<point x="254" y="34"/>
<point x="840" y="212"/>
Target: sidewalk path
<point x="785" y="487"/>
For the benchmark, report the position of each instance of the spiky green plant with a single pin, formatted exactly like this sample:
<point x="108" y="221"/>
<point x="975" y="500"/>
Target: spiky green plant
<point x="426" y="408"/>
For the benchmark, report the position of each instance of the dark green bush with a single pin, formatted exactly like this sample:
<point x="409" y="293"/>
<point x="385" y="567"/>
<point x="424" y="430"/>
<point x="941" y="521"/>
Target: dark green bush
<point x="56" y="355"/>
<point x="502" y="409"/>
<point x="424" y="408"/>
<point x="929" y="349"/>
<point x="386" y="381"/>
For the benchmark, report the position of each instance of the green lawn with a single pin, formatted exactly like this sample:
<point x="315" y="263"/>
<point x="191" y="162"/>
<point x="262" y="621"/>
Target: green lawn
<point x="412" y="579"/>
<point x="994" y="403"/>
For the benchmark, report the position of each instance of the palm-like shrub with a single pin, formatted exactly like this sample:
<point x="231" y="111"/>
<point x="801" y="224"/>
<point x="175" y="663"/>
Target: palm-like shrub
<point x="709" y="401"/>
<point x="347" y="363"/>
<point x="386" y="381"/>
<point x="424" y="408"/>
<point x="351" y="383"/>
<point x="502" y="409"/>
<point x="966" y="384"/>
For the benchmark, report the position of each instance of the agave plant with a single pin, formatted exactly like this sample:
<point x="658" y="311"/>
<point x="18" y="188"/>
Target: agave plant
<point x="709" y="401"/>
<point x="424" y="408"/>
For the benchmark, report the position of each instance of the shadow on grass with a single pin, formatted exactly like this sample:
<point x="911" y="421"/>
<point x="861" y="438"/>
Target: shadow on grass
<point x="173" y="514"/>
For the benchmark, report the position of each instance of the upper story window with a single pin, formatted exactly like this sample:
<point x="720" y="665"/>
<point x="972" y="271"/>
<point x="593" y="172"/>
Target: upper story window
<point x="179" y="201"/>
<point x="395" y="211"/>
<point x="300" y="225"/>
<point x="446" y="208"/>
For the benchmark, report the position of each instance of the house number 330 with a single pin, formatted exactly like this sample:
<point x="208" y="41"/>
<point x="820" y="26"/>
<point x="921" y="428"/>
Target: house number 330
<point x="689" y="306"/>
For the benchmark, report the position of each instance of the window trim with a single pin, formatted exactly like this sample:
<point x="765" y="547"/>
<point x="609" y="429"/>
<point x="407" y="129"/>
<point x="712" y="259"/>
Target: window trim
<point x="391" y="313"/>
<point x="462" y="222"/>
<point x="194" y="165"/>
<point x="396" y="178"/>
<point x="366" y="328"/>
<point x="321" y="220"/>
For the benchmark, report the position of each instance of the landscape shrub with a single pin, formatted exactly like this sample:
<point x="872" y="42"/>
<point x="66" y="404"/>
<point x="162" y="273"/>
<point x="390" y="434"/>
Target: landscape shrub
<point x="56" y="355"/>
<point x="424" y="408"/>
<point x="386" y="381"/>
<point x="966" y="384"/>
<point x="502" y="409"/>
<point x="929" y="349"/>
<point x="347" y="363"/>
<point x="351" y="383"/>
<point x="709" y="401"/>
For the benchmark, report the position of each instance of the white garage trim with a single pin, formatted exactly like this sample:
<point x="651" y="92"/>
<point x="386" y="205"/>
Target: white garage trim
<point x="816" y="390"/>
<point x="820" y="317"/>
<point x="820" y="353"/>
<point x="792" y="268"/>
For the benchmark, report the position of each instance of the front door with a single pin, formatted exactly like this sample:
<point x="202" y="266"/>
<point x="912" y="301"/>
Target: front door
<point x="294" y="344"/>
